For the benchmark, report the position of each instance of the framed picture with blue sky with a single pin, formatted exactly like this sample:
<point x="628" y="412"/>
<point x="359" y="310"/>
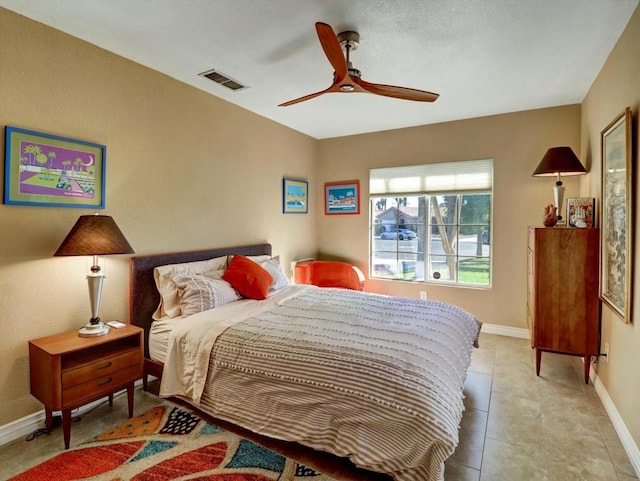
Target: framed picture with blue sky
<point x="295" y="196"/>
<point x="342" y="197"/>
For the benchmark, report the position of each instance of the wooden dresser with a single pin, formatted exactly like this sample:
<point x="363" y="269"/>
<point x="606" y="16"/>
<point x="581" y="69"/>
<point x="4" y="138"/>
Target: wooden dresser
<point x="563" y="309"/>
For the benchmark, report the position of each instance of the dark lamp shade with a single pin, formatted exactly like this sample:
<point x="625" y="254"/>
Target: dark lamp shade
<point x="559" y="160"/>
<point x="94" y="235"/>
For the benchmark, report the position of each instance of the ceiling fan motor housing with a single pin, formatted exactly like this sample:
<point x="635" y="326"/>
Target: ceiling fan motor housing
<point x="349" y="40"/>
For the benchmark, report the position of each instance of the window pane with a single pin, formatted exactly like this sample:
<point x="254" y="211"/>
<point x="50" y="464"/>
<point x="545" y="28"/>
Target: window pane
<point x="397" y="242"/>
<point x="475" y="217"/>
<point x="444" y="224"/>
<point x="444" y="241"/>
<point x="475" y="209"/>
<point x="474" y="270"/>
<point x="475" y="242"/>
<point x="442" y="268"/>
<point x="436" y="238"/>
<point x="444" y="209"/>
<point x="384" y="264"/>
<point x="409" y="269"/>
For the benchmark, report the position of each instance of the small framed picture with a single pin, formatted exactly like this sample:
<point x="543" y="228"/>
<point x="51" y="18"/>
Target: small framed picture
<point x="295" y="196"/>
<point x="342" y="197"/>
<point x="580" y="212"/>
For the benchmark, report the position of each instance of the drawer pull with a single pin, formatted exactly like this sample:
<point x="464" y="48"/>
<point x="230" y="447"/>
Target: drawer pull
<point x="104" y="365"/>
<point x="102" y="382"/>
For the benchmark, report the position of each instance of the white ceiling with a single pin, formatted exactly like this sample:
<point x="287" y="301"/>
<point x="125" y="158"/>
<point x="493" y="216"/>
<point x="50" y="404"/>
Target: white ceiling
<point x="482" y="56"/>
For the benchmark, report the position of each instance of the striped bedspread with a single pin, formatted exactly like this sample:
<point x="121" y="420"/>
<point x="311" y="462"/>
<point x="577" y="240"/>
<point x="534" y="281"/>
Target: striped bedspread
<point x="374" y="378"/>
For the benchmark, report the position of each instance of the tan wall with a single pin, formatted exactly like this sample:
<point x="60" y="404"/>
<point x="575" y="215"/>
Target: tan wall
<point x="515" y="141"/>
<point x="616" y="87"/>
<point x="179" y="163"/>
<point x="185" y="170"/>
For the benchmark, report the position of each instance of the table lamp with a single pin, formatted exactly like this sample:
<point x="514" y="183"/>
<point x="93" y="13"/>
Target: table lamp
<point x="94" y="235"/>
<point x="559" y="160"/>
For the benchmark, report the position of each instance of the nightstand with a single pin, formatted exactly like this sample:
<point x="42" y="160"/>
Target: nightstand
<point x="68" y="371"/>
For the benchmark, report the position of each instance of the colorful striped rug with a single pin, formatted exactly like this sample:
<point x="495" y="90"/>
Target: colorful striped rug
<point x="168" y="443"/>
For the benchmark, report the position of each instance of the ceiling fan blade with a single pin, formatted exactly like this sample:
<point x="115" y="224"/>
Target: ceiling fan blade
<point x="306" y="97"/>
<point x="397" y="92"/>
<point x="332" y="49"/>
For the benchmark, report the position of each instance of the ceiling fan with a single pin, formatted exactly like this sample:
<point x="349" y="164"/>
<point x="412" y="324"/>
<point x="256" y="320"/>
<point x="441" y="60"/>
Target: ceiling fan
<point x="346" y="78"/>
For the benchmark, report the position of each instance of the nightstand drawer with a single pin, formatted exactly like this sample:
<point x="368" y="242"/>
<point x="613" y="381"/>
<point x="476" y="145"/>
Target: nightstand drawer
<point x="99" y="386"/>
<point x="100" y="368"/>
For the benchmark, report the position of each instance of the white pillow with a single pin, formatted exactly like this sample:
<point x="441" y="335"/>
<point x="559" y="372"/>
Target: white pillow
<point x="169" y="306"/>
<point x="259" y="259"/>
<point x="199" y="293"/>
<point x="215" y="274"/>
<point x="272" y="266"/>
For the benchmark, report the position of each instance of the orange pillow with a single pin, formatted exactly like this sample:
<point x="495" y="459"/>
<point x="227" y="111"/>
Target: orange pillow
<point x="248" y="278"/>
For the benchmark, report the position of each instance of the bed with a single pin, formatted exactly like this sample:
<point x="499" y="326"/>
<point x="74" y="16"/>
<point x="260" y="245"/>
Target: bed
<point x="375" y="379"/>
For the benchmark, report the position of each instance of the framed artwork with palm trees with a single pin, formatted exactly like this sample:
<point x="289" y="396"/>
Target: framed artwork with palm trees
<point x="49" y="170"/>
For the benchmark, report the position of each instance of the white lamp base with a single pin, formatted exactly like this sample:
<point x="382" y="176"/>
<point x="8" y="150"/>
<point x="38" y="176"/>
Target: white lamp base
<point x="94" y="330"/>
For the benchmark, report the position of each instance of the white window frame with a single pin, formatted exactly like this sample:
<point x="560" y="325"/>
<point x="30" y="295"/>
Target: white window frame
<point x="441" y="179"/>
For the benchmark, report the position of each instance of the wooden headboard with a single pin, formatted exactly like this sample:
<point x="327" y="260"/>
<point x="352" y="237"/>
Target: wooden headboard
<point x="143" y="295"/>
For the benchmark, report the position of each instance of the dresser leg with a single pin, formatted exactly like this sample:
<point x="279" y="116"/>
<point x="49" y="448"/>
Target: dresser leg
<point x="538" y="361"/>
<point x="587" y="365"/>
<point x="130" y="398"/>
<point x="66" y="427"/>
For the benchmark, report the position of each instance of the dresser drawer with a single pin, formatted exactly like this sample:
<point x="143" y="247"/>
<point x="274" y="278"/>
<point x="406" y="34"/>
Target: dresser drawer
<point x="95" y="388"/>
<point x="100" y="368"/>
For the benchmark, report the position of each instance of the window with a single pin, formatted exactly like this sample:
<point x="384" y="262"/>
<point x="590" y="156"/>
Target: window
<point x="432" y="223"/>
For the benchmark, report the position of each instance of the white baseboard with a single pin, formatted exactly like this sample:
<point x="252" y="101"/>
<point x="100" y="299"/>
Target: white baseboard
<point x="29" y="423"/>
<point x="505" y="331"/>
<point x="621" y="428"/>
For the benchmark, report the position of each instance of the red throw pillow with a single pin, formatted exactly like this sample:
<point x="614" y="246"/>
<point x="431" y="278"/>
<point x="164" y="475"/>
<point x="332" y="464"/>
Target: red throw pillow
<point x="248" y="278"/>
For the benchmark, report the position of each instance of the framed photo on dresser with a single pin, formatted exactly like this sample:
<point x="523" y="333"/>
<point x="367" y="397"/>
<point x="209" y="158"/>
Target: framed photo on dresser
<point x="580" y="212"/>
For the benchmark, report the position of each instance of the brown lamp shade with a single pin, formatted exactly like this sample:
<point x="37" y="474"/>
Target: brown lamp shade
<point x="559" y="160"/>
<point x="94" y="235"/>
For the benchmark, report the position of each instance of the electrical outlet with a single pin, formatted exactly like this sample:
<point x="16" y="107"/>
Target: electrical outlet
<point x="423" y="295"/>
<point x="606" y="352"/>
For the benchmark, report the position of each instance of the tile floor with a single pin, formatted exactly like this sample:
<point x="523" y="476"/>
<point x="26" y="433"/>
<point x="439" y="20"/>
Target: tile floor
<point x="516" y="427"/>
<point x="520" y="427"/>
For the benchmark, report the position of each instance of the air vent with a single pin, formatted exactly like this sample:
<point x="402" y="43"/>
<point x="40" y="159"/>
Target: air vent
<point x="223" y="79"/>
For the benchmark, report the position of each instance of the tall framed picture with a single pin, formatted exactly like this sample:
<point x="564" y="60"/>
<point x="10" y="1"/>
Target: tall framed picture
<point x="295" y="196"/>
<point x="580" y="212"/>
<point x="342" y="197"/>
<point x="616" y="231"/>
<point x="49" y="170"/>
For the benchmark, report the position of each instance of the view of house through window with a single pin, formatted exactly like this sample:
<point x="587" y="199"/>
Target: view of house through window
<point x="434" y="237"/>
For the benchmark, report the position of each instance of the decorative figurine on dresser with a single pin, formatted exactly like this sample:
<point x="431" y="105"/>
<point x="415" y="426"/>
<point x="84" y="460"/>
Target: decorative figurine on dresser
<point x="550" y="217"/>
<point x="563" y="311"/>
